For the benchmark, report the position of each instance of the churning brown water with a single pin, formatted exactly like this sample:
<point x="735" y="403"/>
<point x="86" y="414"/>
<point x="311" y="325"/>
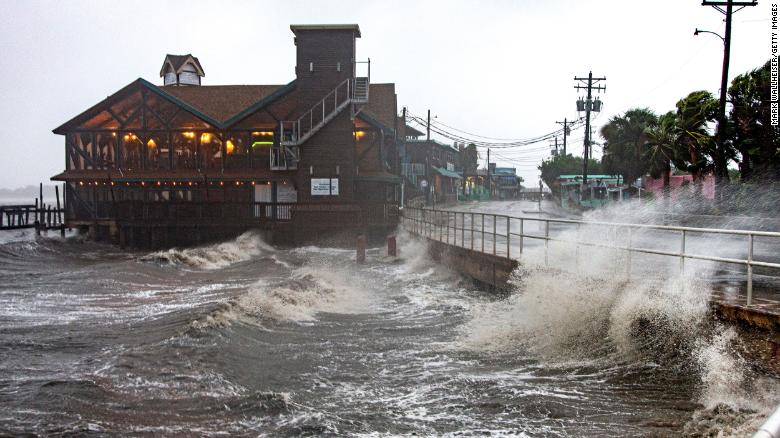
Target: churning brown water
<point x="242" y="338"/>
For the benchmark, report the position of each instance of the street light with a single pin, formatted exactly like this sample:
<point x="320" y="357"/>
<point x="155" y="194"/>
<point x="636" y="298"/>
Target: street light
<point x="698" y="31"/>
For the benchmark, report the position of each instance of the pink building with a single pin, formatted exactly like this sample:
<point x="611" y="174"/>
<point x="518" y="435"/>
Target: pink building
<point x="656" y="185"/>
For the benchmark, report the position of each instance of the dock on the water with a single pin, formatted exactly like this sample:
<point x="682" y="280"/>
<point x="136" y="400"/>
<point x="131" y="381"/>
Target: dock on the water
<point x="38" y="215"/>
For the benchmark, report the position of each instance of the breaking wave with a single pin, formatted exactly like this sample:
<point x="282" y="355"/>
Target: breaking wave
<point x="217" y="256"/>
<point x="569" y="319"/>
<point x="307" y="292"/>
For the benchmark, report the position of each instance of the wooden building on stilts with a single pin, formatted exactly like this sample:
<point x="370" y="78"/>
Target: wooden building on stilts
<point x="186" y="163"/>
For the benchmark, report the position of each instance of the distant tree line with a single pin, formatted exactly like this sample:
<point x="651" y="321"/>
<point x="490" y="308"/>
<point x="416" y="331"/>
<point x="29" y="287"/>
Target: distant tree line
<point x="640" y="142"/>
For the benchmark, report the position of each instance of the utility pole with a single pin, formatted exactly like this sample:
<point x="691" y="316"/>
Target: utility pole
<point x="721" y="171"/>
<point x="554" y="144"/>
<point x="566" y="130"/>
<point x="429" y="126"/>
<point x="589" y="81"/>
<point x="540" y="193"/>
<point x="400" y="165"/>
<point x="590" y="144"/>
<point x="489" y="180"/>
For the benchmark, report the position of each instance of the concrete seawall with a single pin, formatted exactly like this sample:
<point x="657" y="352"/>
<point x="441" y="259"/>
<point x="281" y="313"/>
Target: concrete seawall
<point x="487" y="269"/>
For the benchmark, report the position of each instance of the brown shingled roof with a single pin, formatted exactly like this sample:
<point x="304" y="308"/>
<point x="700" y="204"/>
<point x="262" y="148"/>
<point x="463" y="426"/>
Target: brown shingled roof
<point x="221" y="102"/>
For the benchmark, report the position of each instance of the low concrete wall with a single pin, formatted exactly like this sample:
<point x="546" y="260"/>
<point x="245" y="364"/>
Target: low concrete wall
<point x="486" y="269"/>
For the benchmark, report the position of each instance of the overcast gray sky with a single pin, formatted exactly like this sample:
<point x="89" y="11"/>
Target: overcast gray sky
<point x="499" y="68"/>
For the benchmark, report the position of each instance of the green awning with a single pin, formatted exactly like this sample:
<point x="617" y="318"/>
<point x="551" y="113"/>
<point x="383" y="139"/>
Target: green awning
<point x="380" y="177"/>
<point x="447" y="173"/>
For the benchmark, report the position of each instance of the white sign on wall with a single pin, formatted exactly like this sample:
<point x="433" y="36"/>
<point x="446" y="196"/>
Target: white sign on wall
<point x="324" y="186"/>
<point x="263" y="193"/>
<point x="285" y="193"/>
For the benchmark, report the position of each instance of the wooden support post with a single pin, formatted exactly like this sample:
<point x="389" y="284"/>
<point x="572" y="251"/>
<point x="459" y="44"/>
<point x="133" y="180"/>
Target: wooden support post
<point x="360" y="256"/>
<point x="37" y="219"/>
<point x="392" y="246"/>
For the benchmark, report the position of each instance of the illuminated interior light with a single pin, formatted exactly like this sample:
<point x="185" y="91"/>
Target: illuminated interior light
<point x="205" y="137"/>
<point x="188" y="134"/>
<point x="151" y="144"/>
<point x="229" y="147"/>
<point x="81" y="183"/>
<point x="263" y="133"/>
<point x="257" y="143"/>
<point x="127" y="137"/>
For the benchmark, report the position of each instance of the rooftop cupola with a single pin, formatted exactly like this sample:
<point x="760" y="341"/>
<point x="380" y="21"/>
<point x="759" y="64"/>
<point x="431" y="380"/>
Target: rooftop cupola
<point x="181" y="70"/>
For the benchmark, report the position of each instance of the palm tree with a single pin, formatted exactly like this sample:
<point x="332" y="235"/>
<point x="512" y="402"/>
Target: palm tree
<point x="625" y="143"/>
<point x="662" y="140"/>
<point x="694" y="112"/>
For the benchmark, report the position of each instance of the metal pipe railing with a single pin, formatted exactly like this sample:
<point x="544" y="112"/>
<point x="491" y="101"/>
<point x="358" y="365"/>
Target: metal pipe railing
<point x="770" y="428"/>
<point x="421" y="217"/>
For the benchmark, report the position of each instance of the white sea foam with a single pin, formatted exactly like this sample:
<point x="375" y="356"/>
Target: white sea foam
<point x="569" y="319"/>
<point x="306" y="293"/>
<point x="217" y="256"/>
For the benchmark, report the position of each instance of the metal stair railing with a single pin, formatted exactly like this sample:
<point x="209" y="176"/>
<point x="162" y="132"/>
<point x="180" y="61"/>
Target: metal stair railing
<point x="360" y="90"/>
<point x="297" y="131"/>
<point x="352" y="90"/>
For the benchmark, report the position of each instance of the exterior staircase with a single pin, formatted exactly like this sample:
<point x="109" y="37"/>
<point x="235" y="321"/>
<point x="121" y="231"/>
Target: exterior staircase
<point x="352" y="91"/>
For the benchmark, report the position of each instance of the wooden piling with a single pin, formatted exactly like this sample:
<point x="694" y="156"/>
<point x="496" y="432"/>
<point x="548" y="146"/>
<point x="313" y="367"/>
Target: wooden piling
<point x="59" y="211"/>
<point x="360" y="257"/>
<point x="37" y="218"/>
<point x="392" y="246"/>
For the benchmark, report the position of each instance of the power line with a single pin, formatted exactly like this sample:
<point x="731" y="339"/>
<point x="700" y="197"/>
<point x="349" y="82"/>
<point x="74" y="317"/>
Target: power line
<point x="437" y="128"/>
